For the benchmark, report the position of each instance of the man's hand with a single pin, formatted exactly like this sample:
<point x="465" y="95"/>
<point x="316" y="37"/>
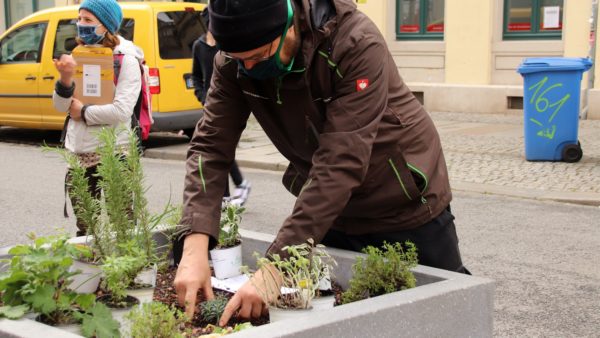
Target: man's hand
<point x="66" y="67"/>
<point x="193" y="273"/>
<point x="251" y="300"/>
<point x="75" y="109"/>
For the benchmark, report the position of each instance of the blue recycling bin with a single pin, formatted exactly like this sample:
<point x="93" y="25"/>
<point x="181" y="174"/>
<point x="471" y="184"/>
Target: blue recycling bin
<point x="552" y="87"/>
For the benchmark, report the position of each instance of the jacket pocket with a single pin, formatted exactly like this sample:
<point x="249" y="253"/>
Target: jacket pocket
<point x="419" y="177"/>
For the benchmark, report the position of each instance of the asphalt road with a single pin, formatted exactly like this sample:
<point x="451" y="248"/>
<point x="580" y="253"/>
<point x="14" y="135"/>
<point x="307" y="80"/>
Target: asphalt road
<point x="543" y="256"/>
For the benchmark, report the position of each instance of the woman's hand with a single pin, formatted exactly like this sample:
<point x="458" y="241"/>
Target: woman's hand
<point x="75" y="109"/>
<point x="66" y="67"/>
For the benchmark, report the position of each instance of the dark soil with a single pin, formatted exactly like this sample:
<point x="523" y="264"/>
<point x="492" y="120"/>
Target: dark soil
<point x="166" y="294"/>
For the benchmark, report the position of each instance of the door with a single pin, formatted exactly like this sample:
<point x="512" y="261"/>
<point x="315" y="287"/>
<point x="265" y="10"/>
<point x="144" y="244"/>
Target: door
<point x="61" y="40"/>
<point x="20" y="55"/>
<point x="177" y="31"/>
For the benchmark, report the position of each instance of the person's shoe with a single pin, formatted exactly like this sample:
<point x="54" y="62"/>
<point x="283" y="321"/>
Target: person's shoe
<point x="240" y="194"/>
<point x="226" y="200"/>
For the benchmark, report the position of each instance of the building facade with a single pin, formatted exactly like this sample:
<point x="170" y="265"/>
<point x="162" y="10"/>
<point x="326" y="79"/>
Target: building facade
<point x="461" y="55"/>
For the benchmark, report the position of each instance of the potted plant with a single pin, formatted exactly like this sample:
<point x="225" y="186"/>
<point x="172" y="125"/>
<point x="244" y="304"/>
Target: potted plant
<point x="300" y="274"/>
<point x="121" y="214"/>
<point x="38" y="280"/>
<point x="227" y="255"/>
<point x="156" y="320"/>
<point x="383" y="270"/>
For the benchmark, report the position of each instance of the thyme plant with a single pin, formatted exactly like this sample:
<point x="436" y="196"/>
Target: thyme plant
<point x="156" y="320"/>
<point x="383" y="270"/>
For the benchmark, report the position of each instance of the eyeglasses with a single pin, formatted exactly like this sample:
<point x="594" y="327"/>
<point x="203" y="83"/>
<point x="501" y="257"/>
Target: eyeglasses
<point x="265" y="56"/>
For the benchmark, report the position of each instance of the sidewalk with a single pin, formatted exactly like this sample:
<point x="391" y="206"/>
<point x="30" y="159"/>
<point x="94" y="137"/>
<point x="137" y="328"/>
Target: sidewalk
<point x="484" y="153"/>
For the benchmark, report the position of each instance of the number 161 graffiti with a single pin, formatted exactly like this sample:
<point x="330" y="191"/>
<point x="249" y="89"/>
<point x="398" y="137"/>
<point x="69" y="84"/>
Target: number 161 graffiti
<point x="542" y="104"/>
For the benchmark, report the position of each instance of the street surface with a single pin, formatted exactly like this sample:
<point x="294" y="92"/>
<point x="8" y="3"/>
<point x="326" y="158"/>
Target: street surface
<point x="543" y="255"/>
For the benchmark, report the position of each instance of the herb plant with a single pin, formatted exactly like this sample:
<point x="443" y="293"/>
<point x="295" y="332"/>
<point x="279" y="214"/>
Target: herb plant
<point x="213" y="309"/>
<point x="304" y="266"/>
<point x="383" y="270"/>
<point x="120" y="271"/>
<point x="229" y="234"/>
<point x="156" y="320"/>
<point x="37" y="280"/>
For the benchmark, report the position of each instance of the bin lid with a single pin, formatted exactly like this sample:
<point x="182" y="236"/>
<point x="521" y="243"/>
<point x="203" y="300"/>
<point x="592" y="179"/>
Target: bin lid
<point x="535" y="65"/>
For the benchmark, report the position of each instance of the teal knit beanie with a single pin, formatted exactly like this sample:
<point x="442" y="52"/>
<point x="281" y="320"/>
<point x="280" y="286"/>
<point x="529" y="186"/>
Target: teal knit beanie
<point x="107" y="11"/>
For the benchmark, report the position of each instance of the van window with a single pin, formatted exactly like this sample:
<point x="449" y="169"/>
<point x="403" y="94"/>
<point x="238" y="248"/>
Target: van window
<point x="177" y="32"/>
<point x="66" y="33"/>
<point x="23" y="44"/>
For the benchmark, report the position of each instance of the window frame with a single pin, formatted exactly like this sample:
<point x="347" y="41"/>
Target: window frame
<point x="423" y="34"/>
<point x="535" y="33"/>
<point x="33" y="25"/>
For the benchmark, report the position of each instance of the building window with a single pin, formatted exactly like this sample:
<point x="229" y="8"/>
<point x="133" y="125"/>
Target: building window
<point x="532" y="19"/>
<point x="419" y="19"/>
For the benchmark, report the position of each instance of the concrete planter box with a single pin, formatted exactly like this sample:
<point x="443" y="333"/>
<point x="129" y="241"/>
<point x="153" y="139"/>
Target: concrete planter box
<point x="444" y="304"/>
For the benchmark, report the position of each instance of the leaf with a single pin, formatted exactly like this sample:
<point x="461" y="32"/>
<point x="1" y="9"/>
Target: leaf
<point x="98" y="322"/>
<point x="42" y="299"/>
<point x="13" y="312"/>
<point x="85" y="301"/>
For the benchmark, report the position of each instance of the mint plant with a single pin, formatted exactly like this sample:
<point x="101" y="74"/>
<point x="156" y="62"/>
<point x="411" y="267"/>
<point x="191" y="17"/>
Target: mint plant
<point x="383" y="270"/>
<point x="37" y="280"/>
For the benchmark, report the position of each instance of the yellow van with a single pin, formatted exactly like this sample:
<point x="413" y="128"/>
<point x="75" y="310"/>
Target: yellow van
<point x="164" y="30"/>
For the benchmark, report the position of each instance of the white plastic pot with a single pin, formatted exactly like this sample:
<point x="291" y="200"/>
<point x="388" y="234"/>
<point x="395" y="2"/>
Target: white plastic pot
<point x="147" y="276"/>
<point x="227" y="262"/>
<point x="88" y="278"/>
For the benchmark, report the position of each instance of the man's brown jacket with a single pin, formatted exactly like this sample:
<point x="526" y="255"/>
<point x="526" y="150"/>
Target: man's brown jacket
<point x="364" y="155"/>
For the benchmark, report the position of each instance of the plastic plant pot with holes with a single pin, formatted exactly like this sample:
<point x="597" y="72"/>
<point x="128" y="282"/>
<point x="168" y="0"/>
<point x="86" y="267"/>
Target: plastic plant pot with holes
<point x="552" y="87"/>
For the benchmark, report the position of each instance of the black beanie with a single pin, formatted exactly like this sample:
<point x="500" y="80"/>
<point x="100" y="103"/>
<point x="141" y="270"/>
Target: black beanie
<point x="243" y="25"/>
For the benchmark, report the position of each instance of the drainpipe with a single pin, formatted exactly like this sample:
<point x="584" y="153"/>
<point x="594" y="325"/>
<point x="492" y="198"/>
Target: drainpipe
<point x="592" y="56"/>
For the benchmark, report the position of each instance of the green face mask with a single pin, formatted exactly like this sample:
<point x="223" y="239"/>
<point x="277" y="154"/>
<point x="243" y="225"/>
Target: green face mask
<point x="272" y="67"/>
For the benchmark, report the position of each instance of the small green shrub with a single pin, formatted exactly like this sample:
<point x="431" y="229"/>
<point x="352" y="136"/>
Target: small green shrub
<point x="156" y="320"/>
<point x="382" y="271"/>
<point x="38" y="280"/>
<point x="229" y="235"/>
<point x="213" y="309"/>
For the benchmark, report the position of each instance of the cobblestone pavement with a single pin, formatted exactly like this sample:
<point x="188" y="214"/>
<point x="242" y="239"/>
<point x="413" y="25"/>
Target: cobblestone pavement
<point x="484" y="153"/>
<point x="489" y="149"/>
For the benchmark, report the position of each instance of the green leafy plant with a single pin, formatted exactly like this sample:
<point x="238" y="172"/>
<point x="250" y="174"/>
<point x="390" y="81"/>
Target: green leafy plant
<point x="229" y="234"/>
<point x="304" y="266"/>
<point x="226" y="330"/>
<point x="37" y="280"/>
<point x="213" y="309"/>
<point x="156" y="320"/>
<point x="121" y="213"/>
<point x="383" y="270"/>
<point x="120" y="272"/>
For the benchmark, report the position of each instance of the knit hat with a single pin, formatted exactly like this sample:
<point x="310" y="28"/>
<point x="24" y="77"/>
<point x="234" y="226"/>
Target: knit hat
<point x="107" y="11"/>
<point x="243" y="25"/>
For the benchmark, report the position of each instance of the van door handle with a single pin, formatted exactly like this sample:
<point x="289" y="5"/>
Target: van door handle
<point x="30" y="77"/>
<point x="48" y="77"/>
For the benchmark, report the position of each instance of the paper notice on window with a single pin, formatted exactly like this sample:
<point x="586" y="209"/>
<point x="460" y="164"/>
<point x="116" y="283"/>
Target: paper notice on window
<point x="551" y="17"/>
<point x="91" y="80"/>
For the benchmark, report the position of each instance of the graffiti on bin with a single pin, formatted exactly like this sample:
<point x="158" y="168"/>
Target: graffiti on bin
<point x="543" y="105"/>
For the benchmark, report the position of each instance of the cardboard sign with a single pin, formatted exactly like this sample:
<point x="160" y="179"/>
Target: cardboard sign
<point x="94" y="75"/>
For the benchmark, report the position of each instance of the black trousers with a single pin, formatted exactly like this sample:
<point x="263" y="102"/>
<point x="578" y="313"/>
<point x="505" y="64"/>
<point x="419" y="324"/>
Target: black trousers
<point x="236" y="176"/>
<point x="93" y="188"/>
<point x="436" y="242"/>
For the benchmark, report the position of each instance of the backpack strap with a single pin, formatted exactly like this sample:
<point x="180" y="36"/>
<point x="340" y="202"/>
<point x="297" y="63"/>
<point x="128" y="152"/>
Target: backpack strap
<point x="135" y="119"/>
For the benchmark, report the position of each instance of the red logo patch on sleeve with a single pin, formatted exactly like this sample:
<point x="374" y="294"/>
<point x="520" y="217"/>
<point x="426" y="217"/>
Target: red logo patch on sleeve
<point x="362" y="84"/>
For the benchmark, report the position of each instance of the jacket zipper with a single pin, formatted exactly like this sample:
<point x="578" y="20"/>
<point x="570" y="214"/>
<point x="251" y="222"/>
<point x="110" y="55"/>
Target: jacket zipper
<point x="398" y="177"/>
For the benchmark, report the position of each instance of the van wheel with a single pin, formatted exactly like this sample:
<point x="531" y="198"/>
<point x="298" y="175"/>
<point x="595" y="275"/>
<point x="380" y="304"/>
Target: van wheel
<point x="189" y="132"/>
